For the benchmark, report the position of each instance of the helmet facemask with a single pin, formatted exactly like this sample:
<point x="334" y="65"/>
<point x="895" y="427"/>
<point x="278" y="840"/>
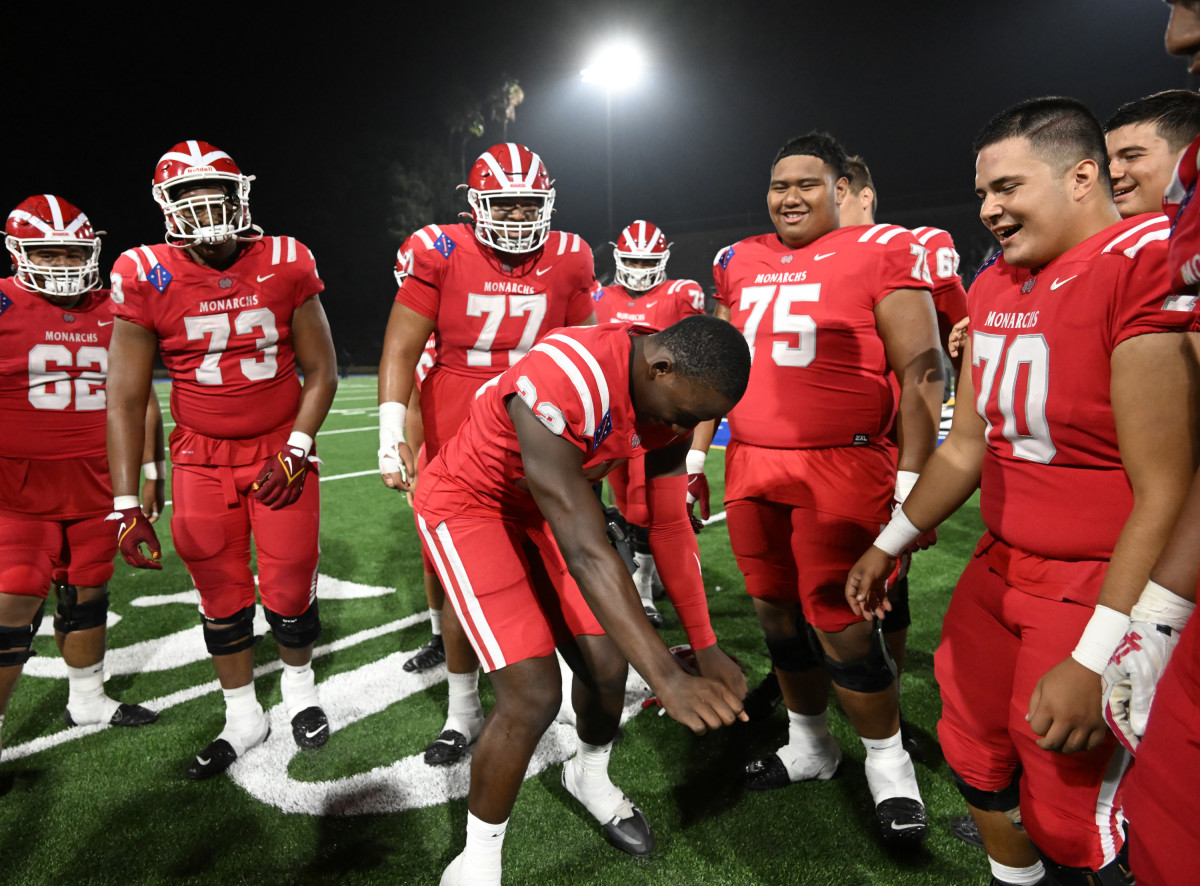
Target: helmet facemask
<point x="514" y="237"/>
<point x="205" y="218"/>
<point x="62" y="281"/>
<point x="640" y="279"/>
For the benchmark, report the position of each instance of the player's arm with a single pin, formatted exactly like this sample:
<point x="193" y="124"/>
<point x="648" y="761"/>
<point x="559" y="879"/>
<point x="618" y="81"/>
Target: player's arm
<point x="948" y="478"/>
<point x="553" y="467"/>
<point x="1150" y="394"/>
<point x="154" y="463"/>
<point x="280" y="483"/>
<point x="673" y="546"/>
<point x="907" y="325"/>
<point x="127" y="390"/>
<point x="407" y="332"/>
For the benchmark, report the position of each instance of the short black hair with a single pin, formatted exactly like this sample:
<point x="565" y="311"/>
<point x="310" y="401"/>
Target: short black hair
<point x="710" y="351"/>
<point x="860" y="177"/>
<point x="1061" y="130"/>
<point x="821" y="145"/>
<point x="1175" y="114"/>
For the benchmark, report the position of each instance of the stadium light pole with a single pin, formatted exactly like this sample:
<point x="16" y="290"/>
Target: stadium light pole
<point x="616" y="66"/>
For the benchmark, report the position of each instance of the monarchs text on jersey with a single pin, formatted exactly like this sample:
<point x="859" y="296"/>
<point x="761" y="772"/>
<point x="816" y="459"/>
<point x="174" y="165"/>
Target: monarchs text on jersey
<point x="225" y="335"/>
<point x="658" y="307"/>
<point x="819" y="375"/>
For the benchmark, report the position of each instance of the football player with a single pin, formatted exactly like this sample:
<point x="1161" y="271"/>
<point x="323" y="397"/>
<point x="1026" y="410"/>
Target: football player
<point x="641" y="293"/>
<point x="1073" y="422"/>
<point x="1155" y="665"/>
<point x="831" y="314"/>
<point x="1145" y="138"/>
<point x="488" y="290"/>
<point x="55" y="490"/>
<point x="235" y="315"/>
<point x="507" y="514"/>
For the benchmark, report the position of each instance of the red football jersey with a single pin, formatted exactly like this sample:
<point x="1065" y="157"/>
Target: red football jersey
<point x="819" y="374"/>
<point x="53" y="365"/>
<point x="1180" y="206"/>
<point x="576" y="381"/>
<point x="425" y="361"/>
<point x="949" y="296"/>
<point x="487" y="314"/>
<point x="225" y="335"/>
<point x="657" y="307"/>
<point x="1053" y="483"/>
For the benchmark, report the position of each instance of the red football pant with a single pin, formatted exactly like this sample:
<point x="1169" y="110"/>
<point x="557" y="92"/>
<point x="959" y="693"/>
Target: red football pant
<point x="998" y="640"/>
<point x="212" y="524"/>
<point x="33" y="551"/>
<point x="509" y="586"/>
<point x="795" y="555"/>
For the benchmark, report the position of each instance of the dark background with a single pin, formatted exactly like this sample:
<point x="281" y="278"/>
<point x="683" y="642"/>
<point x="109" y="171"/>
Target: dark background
<point x="344" y="116"/>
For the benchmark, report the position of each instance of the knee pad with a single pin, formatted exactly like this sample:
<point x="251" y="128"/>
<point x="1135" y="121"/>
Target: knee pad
<point x="618" y="536"/>
<point x="1006" y="800"/>
<point x="15" y="642"/>
<point x="899" y="617"/>
<point x="873" y="673"/>
<point x="295" y="631"/>
<point x="235" y="634"/>
<point x="794" y="653"/>
<point x="72" y="615"/>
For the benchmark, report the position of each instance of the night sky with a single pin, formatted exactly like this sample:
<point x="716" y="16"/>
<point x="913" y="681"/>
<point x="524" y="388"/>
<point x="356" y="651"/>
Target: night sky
<point x="318" y="107"/>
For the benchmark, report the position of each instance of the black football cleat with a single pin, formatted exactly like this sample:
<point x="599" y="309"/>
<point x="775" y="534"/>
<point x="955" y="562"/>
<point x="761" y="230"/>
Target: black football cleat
<point x="763" y="699"/>
<point x="428" y="656"/>
<point x="310" y="728"/>
<point x="902" y="822"/>
<point x="653" y="615"/>
<point x="449" y="747"/>
<point x="124" y="715"/>
<point x="964" y="827"/>
<point x="213" y="760"/>
<point x="632" y="835"/>
<point x="767" y="774"/>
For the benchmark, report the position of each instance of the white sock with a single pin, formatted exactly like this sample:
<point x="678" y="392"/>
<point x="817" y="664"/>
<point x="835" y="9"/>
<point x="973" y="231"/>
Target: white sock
<point x="86" y="701"/>
<point x="298" y="684"/>
<point x="245" y="723"/>
<point x="481" y="857"/>
<point x="811" y="751"/>
<point x="1017" y="876"/>
<point x="586" y="778"/>
<point x="889" y="769"/>
<point x="808" y="733"/>
<point x="435" y="622"/>
<point x="465" y="712"/>
<point x="642" y="578"/>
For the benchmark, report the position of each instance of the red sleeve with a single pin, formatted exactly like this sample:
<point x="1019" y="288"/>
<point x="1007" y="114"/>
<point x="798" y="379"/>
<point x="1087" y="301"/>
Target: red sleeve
<point x="1144" y="304"/>
<point x="308" y="281"/>
<point x="691" y="296"/>
<point x="580" y="305"/>
<point x="720" y="276"/>
<point x="677" y="556"/>
<point x="949" y="296"/>
<point x="422" y="288"/>
<point x="129" y="289"/>
<point x="901" y="263"/>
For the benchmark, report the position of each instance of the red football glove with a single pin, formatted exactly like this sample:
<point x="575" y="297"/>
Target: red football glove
<point x="133" y="531"/>
<point x="281" y="480"/>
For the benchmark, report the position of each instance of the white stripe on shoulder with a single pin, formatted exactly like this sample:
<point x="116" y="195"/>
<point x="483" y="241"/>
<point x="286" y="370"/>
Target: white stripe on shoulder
<point x="291" y="248"/>
<point x="590" y="361"/>
<point x="1157" y="222"/>
<point x="275" y="249"/>
<point x="590" y="418"/>
<point x="424" y="236"/>
<point x="562" y="242"/>
<point x="927" y="235"/>
<point x="151" y="261"/>
<point x="871" y="232"/>
<point x="887" y="236"/>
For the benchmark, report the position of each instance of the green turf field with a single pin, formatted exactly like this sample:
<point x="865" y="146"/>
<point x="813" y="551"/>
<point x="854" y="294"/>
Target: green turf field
<point x="82" y="805"/>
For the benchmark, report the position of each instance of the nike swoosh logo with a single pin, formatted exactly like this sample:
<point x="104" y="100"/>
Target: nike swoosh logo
<point x="905" y="827"/>
<point x="541" y="271"/>
<point x="202" y="761"/>
<point x="651" y="304"/>
<point x="268" y="277"/>
<point x="287" y="463"/>
<point x="1057" y="283"/>
<point x="316" y="731"/>
<point x="102" y="323"/>
<point x="826" y="255"/>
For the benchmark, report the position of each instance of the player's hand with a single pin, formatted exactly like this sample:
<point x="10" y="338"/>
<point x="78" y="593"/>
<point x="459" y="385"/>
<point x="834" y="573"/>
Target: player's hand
<point x="154" y="498"/>
<point x="1131" y="679"/>
<point x="1067" y="709"/>
<point x="133" y="531"/>
<point x="699" y="703"/>
<point x="281" y="480"/>
<point x="398" y="467"/>
<point x="697" y="493"/>
<point x="713" y="662"/>
<point x="867" y="584"/>
<point x="958" y="336"/>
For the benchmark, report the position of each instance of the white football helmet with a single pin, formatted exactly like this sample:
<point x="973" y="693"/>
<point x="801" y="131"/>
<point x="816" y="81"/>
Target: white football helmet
<point x="641" y="241"/>
<point x="504" y="171"/>
<point x="209" y="218"/>
<point x="48" y="221"/>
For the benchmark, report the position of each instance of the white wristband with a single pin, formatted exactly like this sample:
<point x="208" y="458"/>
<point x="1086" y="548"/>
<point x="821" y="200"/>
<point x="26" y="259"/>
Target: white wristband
<point x="695" y="461"/>
<point x="898" y="534"/>
<point x="905" y="481"/>
<point x="1159" y="606"/>
<point x="301" y="441"/>
<point x="155" y="470"/>
<point x="392" y="416"/>
<point x="125" y="502"/>
<point x="1104" y="631"/>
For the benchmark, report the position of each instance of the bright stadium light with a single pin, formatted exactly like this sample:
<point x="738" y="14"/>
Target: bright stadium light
<point x="616" y="66"/>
